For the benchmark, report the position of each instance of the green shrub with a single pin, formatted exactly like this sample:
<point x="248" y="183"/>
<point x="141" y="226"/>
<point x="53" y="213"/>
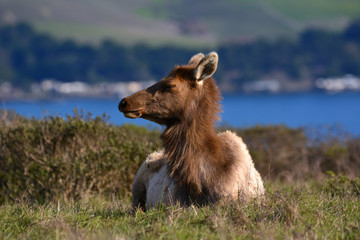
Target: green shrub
<point x="80" y="156"/>
<point x="289" y="154"/>
<point x="338" y="184"/>
<point x="52" y="158"/>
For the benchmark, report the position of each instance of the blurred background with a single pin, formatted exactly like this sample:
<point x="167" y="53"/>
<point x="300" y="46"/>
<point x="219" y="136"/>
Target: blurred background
<point x="281" y="62"/>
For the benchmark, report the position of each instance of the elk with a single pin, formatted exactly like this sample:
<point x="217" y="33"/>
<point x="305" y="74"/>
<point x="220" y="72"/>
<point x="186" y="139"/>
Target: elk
<point x="197" y="165"/>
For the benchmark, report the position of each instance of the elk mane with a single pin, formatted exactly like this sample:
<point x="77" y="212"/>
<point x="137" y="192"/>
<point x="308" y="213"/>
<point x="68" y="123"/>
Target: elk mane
<point x="192" y="147"/>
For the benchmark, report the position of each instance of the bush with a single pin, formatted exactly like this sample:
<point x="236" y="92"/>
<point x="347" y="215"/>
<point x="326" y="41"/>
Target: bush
<point x="52" y="158"/>
<point x="80" y="156"/>
<point x="288" y="154"/>
<point x="342" y="186"/>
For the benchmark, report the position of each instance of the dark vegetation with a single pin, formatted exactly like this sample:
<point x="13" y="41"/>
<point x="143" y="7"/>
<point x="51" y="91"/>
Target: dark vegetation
<point x="56" y="158"/>
<point x="27" y="56"/>
<point x="81" y="156"/>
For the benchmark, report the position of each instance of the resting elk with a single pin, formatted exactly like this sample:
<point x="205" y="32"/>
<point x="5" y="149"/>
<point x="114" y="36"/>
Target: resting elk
<point x="197" y="165"/>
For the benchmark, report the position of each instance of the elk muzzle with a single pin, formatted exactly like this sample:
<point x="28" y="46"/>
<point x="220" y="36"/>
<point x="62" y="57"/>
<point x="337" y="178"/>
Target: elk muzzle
<point x="128" y="111"/>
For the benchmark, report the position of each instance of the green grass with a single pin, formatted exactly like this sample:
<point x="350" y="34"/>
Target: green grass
<point x="94" y="34"/>
<point x="157" y="22"/>
<point x="305" y="211"/>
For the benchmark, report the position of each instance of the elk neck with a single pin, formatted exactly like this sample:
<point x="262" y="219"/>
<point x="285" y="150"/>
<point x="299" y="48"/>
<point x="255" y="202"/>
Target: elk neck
<point x="192" y="146"/>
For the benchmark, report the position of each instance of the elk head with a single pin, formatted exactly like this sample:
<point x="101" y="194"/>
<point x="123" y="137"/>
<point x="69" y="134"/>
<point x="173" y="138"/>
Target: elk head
<point x="175" y="96"/>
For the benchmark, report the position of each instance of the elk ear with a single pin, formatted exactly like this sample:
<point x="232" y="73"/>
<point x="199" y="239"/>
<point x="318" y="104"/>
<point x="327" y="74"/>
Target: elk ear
<point x="196" y="59"/>
<point x="206" y="67"/>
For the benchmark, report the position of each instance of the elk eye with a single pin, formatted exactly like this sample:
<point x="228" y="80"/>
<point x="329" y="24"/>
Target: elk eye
<point x="168" y="87"/>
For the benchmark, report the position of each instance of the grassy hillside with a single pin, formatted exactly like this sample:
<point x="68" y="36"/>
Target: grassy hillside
<point x="181" y="22"/>
<point x="70" y="179"/>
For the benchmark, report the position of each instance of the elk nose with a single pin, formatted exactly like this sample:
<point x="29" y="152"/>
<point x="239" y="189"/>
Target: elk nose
<point x="122" y="104"/>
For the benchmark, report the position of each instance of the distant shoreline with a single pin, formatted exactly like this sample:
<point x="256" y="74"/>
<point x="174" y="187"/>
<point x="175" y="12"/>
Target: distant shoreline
<point x="30" y="97"/>
<point x="50" y="89"/>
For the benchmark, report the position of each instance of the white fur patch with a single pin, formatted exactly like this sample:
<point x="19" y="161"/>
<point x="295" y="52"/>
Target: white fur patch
<point x="155" y="156"/>
<point x="199" y="71"/>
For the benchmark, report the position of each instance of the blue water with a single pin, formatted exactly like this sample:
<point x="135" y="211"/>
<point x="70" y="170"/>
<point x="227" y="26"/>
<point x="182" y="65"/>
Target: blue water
<point x="293" y="110"/>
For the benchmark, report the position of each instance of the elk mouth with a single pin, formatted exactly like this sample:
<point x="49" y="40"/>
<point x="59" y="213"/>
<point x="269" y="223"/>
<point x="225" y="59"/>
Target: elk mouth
<point x="133" y="114"/>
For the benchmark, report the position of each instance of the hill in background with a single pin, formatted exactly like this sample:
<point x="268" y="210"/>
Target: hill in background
<point x="181" y="22"/>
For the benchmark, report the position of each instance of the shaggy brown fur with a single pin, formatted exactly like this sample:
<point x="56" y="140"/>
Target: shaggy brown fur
<point x="187" y="103"/>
